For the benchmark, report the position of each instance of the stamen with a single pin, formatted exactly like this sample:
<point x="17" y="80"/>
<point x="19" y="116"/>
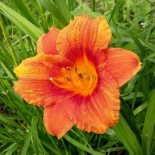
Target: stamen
<point x="63" y="70"/>
<point x="67" y="78"/>
<point x="68" y="68"/>
<point x="60" y="85"/>
<point x="75" y="68"/>
<point x="80" y="75"/>
<point x="76" y="79"/>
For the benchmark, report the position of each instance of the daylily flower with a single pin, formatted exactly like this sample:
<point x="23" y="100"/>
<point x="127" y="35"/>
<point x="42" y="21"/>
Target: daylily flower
<point x="76" y="77"/>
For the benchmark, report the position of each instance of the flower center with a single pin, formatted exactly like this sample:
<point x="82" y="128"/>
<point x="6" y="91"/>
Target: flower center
<point x="80" y="78"/>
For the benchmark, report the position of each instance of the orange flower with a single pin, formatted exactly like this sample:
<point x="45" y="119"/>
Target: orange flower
<point x="76" y="77"/>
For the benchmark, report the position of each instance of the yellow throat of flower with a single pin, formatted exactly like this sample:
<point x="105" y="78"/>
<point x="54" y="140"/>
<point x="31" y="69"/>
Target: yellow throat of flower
<point x="80" y="79"/>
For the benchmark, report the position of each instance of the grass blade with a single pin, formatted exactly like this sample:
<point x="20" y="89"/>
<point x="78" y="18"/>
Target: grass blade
<point x="127" y="137"/>
<point x="128" y="115"/>
<point x="27" y="141"/>
<point x="114" y="12"/>
<point x="83" y="147"/>
<point x="93" y="3"/>
<point x="21" y="22"/>
<point x="61" y="4"/>
<point x="8" y="71"/>
<point x="47" y="4"/>
<point x="24" y="11"/>
<point x="12" y="53"/>
<point x="149" y="123"/>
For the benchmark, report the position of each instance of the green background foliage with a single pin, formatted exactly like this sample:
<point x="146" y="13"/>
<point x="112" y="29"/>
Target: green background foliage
<point x="21" y="127"/>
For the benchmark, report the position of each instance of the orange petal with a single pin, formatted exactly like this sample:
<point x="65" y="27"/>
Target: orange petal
<point x="122" y="64"/>
<point x="47" y="42"/>
<point x="56" y="119"/>
<point x="84" y="34"/>
<point x="34" y="83"/>
<point x="36" y="92"/>
<point x="94" y="113"/>
<point x="41" y="67"/>
<point x="101" y="110"/>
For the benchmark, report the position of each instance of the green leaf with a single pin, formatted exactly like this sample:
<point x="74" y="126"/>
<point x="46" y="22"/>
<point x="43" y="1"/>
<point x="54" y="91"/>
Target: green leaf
<point x="135" y="38"/>
<point x="127" y="137"/>
<point x="8" y="71"/>
<point x="6" y="58"/>
<point x="84" y="9"/>
<point x="63" y="8"/>
<point x="140" y="109"/>
<point x="116" y="9"/>
<point x="12" y="148"/>
<point x="81" y="146"/>
<point x="147" y="44"/>
<point x="9" y="121"/>
<point x="128" y="115"/>
<point x="149" y="123"/>
<point x="31" y="132"/>
<point x="21" y="22"/>
<point x="93" y="4"/>
<point x="12" y="52"/>
<point x="56" y="11"/>
<point x="24" y="11"/>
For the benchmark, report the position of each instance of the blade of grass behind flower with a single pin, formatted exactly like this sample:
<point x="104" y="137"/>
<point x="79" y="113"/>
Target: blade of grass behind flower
<point x="140" y="108"/>
<point x="52" y="8"/>
<point x="27" y="141"/>
<point x="8" y="149"/>
<point x="127" y="137"/>
<point x="12" y="149"/>
<point x="24" y="11"/>
<point x="132" y="35"/>
<point x="12" y="52"/>
<point x="128" y="115"/>
<point x="149" y="123"/>
<point x="81" y="146"/>
<point x="36" y="143"/>
<point x="114" y="12"/>
<point x="50" y="147"/>
<point x="71" y="4"/>
<point x="21" y="22"/>
<point x="44" y="23"/>
<point x="9" y="121"/>
<point x="93" y="3"/>
<point x="147" y="44"/>
<point x="63" y="8"/>
<point x="8" y="71"/>
<point x="4" y="56"/>
<point x="10" y="131"/>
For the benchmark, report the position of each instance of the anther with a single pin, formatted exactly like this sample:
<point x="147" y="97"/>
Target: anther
<point x="80" y="75"/>
<point x="68" y="68"/>
<point x="68" y="79"/>
<point x="75" y="68"/>
<point x="63" y="70"/>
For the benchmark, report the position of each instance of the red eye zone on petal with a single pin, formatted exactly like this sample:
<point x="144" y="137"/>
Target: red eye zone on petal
<point x="79" y="79"/>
